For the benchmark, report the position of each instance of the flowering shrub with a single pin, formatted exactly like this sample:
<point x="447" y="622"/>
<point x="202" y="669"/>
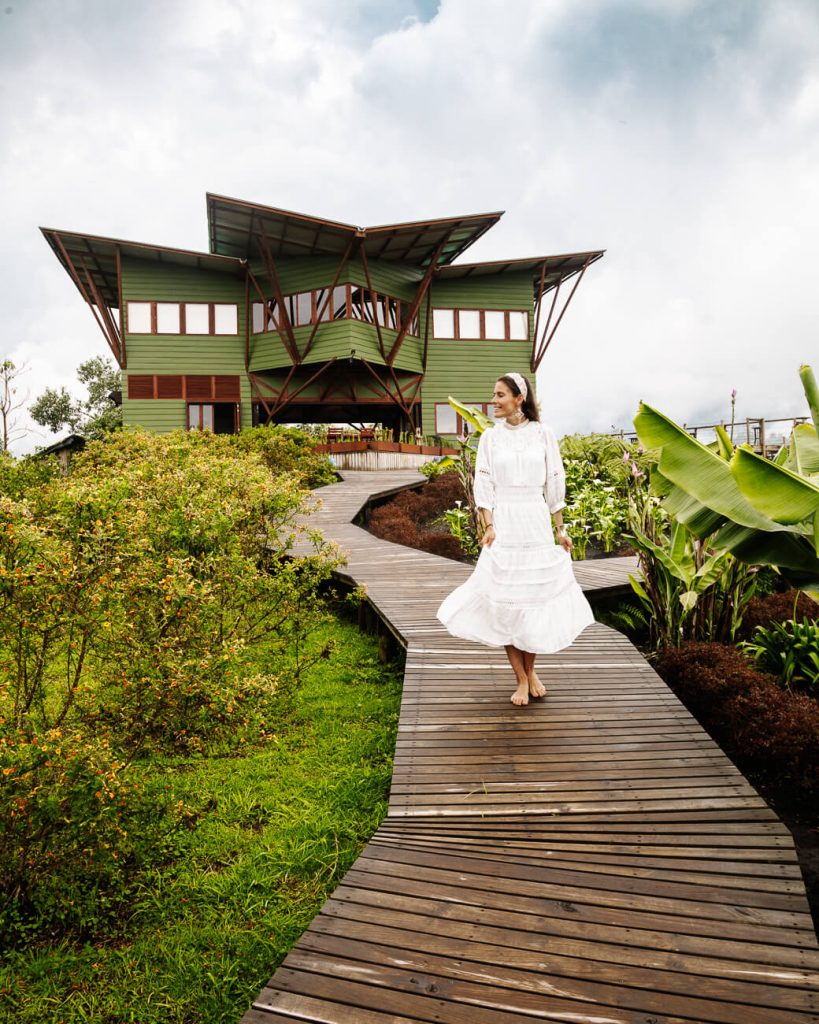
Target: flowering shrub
<point x="286" y="450"/>
<point x="76" y="823"/>
<point x="148" y="602"/>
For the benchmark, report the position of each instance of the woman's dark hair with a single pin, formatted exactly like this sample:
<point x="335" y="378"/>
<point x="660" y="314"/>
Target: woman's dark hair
<point x="529" y="407"/>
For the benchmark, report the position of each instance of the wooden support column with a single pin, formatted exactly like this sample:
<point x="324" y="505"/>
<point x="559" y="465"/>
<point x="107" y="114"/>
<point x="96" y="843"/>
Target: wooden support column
<point x="124" y="351"/>
<point x="363" y="254"/>
<point x="284" y="327"/>
<point x="95" y="311"/>
<point x="423" y="287"/>
<point x="546" y="341"/>
<point x="110" y="329"/>
<point x="328" y="299"/>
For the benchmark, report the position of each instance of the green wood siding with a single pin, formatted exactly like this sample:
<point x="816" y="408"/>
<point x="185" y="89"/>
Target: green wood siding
<point x="467" y="370"/>
<point x="320" y="271"/>
<point x="334" y="340"/>
<point x="174" y="353"/>
<point x="158" y="416"/>
<point x="487" y="291"/>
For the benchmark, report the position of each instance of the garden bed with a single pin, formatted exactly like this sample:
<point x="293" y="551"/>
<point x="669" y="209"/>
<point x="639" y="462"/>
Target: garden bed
<point x="771" y="733"/>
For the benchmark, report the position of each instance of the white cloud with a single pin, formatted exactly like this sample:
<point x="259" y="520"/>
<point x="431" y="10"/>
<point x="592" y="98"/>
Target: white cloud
<point x="680" y="137"/>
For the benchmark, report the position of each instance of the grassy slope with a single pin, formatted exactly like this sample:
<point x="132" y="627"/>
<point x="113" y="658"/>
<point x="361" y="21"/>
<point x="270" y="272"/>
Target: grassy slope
<point x="285" y="823"/>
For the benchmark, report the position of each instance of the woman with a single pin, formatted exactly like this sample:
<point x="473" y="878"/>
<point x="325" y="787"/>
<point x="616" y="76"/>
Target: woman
<point x="522" y="594"/>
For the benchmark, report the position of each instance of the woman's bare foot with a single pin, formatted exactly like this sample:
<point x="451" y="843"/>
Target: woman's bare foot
<point x="521" y="695"/>
<point x="536" y="688"/>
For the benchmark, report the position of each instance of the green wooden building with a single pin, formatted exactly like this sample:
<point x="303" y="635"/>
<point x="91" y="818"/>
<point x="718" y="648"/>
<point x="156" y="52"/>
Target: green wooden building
<point x="295" y="319"/>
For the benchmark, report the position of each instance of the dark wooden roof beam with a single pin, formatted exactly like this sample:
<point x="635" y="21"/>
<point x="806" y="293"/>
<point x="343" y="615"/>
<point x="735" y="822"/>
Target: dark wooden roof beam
<point x="546" y="339"/>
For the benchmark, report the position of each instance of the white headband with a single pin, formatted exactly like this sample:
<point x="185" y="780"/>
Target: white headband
<point x="521" y="383"/>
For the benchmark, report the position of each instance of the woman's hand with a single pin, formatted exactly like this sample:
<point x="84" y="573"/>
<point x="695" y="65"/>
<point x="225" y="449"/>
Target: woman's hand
<point x="565" y="541"/>
<point x="488" y="536"/>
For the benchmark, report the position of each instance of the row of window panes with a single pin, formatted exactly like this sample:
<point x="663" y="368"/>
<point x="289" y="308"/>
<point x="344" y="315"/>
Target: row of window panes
<point x="475" y="324"/>
<point x="447" y="421"/>
<point x="344" y="302"/>
<point x="183" y="318"/>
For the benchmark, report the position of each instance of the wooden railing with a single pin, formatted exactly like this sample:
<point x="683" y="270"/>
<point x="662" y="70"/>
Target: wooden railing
<point x="755" y="431"/>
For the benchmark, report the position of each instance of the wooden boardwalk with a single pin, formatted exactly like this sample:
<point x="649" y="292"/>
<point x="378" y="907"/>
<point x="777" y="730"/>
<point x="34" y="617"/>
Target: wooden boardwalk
<point x="594" y="858"/>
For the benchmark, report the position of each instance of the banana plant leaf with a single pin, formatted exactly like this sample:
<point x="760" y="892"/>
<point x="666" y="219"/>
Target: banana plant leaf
<point x="674" y="568"/>
<point x="811" y="393"/>
<point x="479" y="420"/>
<point x="725" y="446"/>
<point x="802" y="456"/>
<point x="698" y="489"/>
<point x="700" y="472"/>
<point x="777" y="492"/>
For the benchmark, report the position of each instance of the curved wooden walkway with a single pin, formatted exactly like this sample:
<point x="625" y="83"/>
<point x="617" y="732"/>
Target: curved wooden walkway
<point x="594" y="858"/>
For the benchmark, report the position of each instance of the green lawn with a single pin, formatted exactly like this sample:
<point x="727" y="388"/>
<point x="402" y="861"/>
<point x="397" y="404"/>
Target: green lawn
<point x="279" y="828"/>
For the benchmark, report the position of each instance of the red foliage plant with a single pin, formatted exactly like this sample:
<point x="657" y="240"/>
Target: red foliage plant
<point x="762" y="611"/>
<point x="403" y="520"/>
<point x="763" y="727"/>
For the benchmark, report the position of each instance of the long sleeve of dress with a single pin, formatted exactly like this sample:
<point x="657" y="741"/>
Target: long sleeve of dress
<point x="555" y="487"/>
<point x="483" y="488"/>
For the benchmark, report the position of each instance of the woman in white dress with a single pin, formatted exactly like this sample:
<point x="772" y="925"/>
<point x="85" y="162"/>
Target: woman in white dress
<point x="522" y="594"/>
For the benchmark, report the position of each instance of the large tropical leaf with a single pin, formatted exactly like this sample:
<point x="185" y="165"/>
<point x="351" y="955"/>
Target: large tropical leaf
<point x="811" y="393"/>
<point x="777" y="492"/>
<point x="701" y="521"/>
<point x="700" y="472"/>
<point x="679" y="571"/>
<point x="784" y="550"/>
<point x="698" y="489"/>
<point x="803" y="453"/>
<point x="479" y="420"/>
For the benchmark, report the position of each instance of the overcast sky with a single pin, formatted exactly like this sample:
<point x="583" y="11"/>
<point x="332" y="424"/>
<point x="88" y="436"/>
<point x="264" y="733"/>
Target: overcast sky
<point x="682" y="136"/>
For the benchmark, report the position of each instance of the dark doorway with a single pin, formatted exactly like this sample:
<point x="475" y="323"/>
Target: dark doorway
<point x="220" y="417"/>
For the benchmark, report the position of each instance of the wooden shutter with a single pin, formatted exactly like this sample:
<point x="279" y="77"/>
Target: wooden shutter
<point x="140" y="386"/>
<point x="169" y="386"/>
<point x="199" y="388"/>
<point x="226" y="389"/>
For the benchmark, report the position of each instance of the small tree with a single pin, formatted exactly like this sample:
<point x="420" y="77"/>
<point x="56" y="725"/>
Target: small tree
<point x="95" y="416"/>
<point x="10" y="403"/>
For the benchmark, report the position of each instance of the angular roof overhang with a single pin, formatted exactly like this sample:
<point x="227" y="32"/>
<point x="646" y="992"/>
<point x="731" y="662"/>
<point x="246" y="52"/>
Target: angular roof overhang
<point x="97" y="256"/>
<point x="547" y="272"/>
<point x="237" y="228"/>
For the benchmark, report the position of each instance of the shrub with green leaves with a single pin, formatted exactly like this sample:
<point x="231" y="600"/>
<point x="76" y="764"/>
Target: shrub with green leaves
<point x="601" y="472"/>
<point x="130" y="592"/>
<point x="288" y="451"/>
<point x="149" y="602"/>
<point x="789" y="650"/>
<point x="76" y="824"/>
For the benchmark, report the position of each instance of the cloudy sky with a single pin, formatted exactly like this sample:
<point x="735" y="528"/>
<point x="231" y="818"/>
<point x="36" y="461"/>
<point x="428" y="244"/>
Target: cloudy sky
<point x="682" y="136"/>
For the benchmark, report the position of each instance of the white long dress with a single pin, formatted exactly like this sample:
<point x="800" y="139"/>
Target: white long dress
<point x="522" y="591"/>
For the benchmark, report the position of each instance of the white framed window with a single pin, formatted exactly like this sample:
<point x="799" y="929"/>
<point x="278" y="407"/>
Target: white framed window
<point x="225" y="318"/>
<point x="304" y="308"/>
<point x="469" y="323"/>
<point x="167" y="318"/>
<point x="443" y="323"/>
<point x="197" y="318"/>
<point x="257" y="313"/>
<point x="518" y="326"/>
<point x="495" y="320"/>
<point x="446" y="419"/>
<point x="139" y="317"/>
